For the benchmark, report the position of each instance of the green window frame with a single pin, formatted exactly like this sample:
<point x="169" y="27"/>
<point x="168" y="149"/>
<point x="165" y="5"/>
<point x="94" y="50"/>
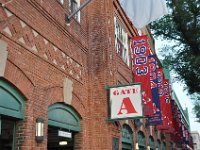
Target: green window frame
<point x="141" y="140"/>
<point x="158" y="145"/>
<point x="127" y="138"/>
<point x="12" y="105"/>
<point x="151" y="143"/>
<point x="164" y="146"/>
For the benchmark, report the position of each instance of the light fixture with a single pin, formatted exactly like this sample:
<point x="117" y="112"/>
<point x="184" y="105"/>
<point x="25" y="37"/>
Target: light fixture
<point x="136" y="146"/>
<point x="156" y="148"/>
<point x="148" y="147"/>
<point x="39" y="133"/>
<point x="62" y="143"/>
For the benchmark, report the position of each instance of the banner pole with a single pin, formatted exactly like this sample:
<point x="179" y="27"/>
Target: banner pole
<point x="68" y="18"/>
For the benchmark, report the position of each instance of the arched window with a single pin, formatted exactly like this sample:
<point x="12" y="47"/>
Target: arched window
<point x="141" y="140"/>
<point x="12" y="106"/>
<point x="158" y="145"/>
<point x="171" y="144"/>
<point x="164" y="146"/>
<point x="63" y="126"/>
<point x="151" y="143"/>
<point x="127" y="138"/>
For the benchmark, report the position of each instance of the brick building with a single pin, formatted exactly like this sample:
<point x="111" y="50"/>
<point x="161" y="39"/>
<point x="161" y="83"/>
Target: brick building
<point x="56" y="73"/>
<point x="196" y="140"/>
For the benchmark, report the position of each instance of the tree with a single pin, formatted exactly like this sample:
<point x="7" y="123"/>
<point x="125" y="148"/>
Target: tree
<point x="182" y="27"/>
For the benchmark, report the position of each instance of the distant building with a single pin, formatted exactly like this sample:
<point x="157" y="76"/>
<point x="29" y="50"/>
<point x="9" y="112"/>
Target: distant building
<point x="196" y="140"/>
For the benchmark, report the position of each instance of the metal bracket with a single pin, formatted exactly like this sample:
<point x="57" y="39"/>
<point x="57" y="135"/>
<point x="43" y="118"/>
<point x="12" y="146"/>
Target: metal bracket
<point x="68" y="18"/>
<point x="4" y="4"/>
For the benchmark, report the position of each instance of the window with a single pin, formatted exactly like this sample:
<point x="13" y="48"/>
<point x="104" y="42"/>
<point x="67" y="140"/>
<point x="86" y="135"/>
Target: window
<point x="74" y="5"/>
<point x="194" y="137"/>
<point x="127" y="138"/>
<point x="121" y="42"/>
<point x="195" y="146"/>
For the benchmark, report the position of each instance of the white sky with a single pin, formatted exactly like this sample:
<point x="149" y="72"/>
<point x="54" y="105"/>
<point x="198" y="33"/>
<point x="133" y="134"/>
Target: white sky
<point x="184" y="100"/>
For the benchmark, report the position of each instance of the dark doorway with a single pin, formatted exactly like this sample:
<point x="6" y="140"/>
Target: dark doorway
<point x="54" y="140"/>
<point x="7" y="128"/>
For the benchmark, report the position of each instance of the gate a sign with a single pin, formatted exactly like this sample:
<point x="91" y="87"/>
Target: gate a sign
<point x="126" y="101"/>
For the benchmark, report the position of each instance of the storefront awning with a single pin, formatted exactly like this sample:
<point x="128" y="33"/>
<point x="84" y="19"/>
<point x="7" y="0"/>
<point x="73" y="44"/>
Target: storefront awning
<point x="63" y="116"/>
<point x="11" y="101"/>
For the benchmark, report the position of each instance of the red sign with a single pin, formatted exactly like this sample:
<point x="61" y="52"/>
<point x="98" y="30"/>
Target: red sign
<point x="141" y="69"/>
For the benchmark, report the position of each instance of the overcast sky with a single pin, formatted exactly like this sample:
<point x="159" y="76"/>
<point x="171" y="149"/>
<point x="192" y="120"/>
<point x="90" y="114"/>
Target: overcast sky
<point x="185" y="101"/>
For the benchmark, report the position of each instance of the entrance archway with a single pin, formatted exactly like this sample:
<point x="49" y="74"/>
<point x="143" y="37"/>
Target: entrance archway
<point x="12" y="106"/>
<point x="64" y="123"/>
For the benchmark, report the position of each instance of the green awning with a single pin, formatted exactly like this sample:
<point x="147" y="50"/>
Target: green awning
<point x="63" y="116"/>
<point x="11" y="101"/>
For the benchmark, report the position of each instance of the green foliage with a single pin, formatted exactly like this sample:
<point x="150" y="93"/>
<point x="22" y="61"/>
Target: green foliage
<point x="181" y="27"/>
<point x="196" y="108"/>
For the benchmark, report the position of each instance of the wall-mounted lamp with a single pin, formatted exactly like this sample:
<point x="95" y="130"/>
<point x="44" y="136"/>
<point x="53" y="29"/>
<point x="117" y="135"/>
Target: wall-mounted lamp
<point x="156" y="148"/>
<point x="148" y="147"/>
<point x="136" y="146"/>
<point x="62" y="143"/>
<point x="39" y="133"/>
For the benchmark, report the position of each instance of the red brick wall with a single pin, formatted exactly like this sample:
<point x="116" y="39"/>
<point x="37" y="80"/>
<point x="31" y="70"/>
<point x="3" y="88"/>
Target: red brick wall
<point x="102" y="69"/>
<point x="43" y="50"/>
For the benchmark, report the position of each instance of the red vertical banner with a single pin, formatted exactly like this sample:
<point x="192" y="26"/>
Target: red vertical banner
<point x="156" y="118"/>
<point x="176" y="122"/>
<point x="161" y="92"/>
<point x="168" y="110"/>
<point x="141" y="69"/>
